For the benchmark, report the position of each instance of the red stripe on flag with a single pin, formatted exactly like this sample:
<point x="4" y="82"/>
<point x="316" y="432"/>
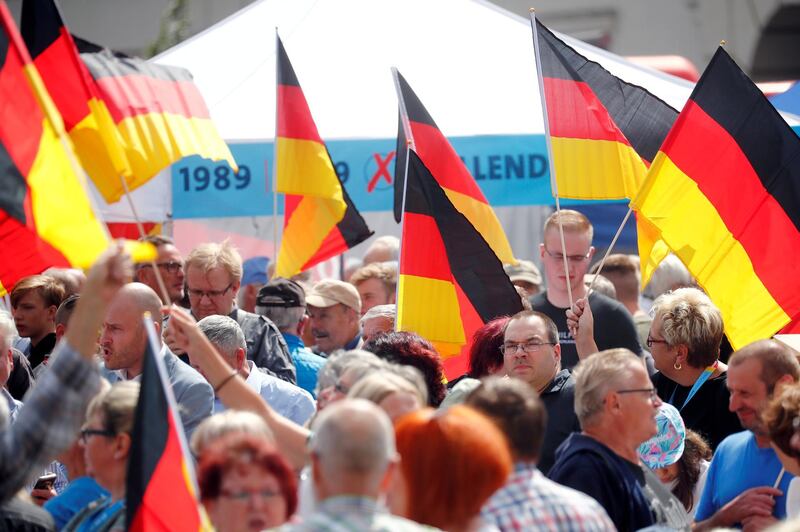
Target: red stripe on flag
<point x="574" y="111"/>
<point x="707" y="153"/>
<point x="130" y="96"/>
<point x="332" y="246"/>
<point x="443" y="162"/>
<point x="166" y="504"/>
<point x="426" y="256"/>
<point x="294" y="118"/>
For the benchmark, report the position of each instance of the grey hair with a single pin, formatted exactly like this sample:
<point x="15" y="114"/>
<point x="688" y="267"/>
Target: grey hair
<point x="223" y="332"/>
<point x="227" y="422"/>
<point x="378" y="385"/>
<point x="353" y="437"/>
<point x="8" y="331"/>
<point x="285" y="319"/>
<point x="669" y="275"/>
<point x="387" y="242"/>
<point x="595" y="377"/>
<point x="338" y="361"/>
<point x="388" y="312"/>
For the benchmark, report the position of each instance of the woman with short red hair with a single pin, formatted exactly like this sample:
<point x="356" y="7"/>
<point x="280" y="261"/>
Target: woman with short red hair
<point x="450" y="464"/>
<point x="246" y="485"/>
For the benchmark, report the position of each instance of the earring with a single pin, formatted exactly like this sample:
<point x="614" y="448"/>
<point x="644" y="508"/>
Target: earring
<point x="677" y="365"/>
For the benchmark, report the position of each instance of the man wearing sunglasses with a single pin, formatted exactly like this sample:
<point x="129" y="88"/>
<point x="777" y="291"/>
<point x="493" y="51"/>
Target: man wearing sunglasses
<point x="613" y="326"/>
<point x="532" y="354"/>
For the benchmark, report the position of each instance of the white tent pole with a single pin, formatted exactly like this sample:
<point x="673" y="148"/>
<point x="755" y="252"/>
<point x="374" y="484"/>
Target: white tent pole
<point x="553" y="183"/>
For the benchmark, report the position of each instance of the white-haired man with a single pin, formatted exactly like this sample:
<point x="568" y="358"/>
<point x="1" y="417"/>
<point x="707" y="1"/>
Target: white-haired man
<point x="377" y="320"/>
<point x="287" y="399"/>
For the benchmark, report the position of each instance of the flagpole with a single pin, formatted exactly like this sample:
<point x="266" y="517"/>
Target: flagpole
<point x="608" y="251"/>
<point x="159" y="280"/>
<point x="275" y="243"/>
<point x="553" y="182"/>
<point x="409" y="144"/>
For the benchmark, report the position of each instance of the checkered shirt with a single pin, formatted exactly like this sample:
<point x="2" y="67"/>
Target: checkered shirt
<point x="529" y="501"/>
<point x="49" y="420"/>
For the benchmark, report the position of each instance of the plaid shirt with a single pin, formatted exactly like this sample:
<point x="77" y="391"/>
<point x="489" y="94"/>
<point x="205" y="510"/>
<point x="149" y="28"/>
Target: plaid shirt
<point x="529" y="501"/>
<point x="354" y="514"/>
<point x="49" y="420"/>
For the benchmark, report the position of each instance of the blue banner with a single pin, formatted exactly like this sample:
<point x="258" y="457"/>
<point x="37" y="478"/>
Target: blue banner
<point x="511" y="170"/>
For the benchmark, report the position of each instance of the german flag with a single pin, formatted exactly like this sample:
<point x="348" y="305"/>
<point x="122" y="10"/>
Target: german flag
<point x="46" y="218"/>
<point x="86" y="117"/>
<point x="724" y="195"/>
<point x="451" y="282"/>
<point x="161" y="490"/>
<point x="157" y="110"/>
<point x="320" y="220"/>
<point x="450" y="171"/>
<point x="604" y="132"/>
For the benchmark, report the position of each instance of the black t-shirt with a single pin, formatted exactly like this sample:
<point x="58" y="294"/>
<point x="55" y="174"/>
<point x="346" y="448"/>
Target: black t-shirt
<point x="707" y="412"/>
<point x="559" y="401"/>
<point x="613" y="326"/>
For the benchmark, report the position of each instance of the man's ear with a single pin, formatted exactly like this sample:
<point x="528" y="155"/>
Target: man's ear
<point x="241" y="357"/>
<point x="51" y="313"/>
<point x="785" y="380"/>
<point x="591" y="252"/>
<point x="301" y="325"/>
<point x="122" y="446"/>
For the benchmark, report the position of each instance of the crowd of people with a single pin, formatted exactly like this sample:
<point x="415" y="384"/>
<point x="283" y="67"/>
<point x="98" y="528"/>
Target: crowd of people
<point x="593" y="409"/>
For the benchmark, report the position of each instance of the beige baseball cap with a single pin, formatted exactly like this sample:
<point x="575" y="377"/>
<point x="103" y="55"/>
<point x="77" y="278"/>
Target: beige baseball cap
<point x="330" y="292"/>
<point x="524" y="270"/>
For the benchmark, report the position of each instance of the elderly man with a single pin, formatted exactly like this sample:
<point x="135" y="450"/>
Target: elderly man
<point x="213" y="277"/>
<point x="524" y="274"/>
<point x="383" y="249"/>
<point x="616" y="405"/>
<point x="334" y="308"/>
<point x="287" y="399"/>
<point x="532" y="353"/>
<point x="376" y="284"/>
<point x="122" y="346"/>
<point x="529" y="501"/>
<point x="352" y="459"/>
<point x="34" y="301"/>
<point x="613" y="326"/>
<point x="170" y="265"/>
<point x="284" y="302"/>
<point x="379" y="319"/>
<point x="739" y="486"/>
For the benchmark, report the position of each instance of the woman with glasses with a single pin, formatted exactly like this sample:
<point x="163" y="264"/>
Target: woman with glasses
<point x="106" y="439"/>
<point x="684" y="340"/>
<point x="246" y="485"/>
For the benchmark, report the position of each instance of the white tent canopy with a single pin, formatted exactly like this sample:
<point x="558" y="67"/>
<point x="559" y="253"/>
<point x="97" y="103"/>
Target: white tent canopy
<point x="471" y="63"/>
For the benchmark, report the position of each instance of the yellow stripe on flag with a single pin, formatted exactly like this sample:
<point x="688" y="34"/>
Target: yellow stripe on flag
<point x="430" y="308"/>
<point x="691" y="226"/>
<point x="482" y="216"/>
<point x="596" y="169"/>
<point x="308" y="226"/>
<point x="317" y="178"/>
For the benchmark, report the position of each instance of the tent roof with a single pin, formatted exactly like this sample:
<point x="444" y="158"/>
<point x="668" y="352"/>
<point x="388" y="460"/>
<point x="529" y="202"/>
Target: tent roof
<point x="470" y="62"/>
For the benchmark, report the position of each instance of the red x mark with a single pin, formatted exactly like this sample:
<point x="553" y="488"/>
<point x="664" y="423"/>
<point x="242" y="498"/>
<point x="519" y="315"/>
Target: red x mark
<point x="383" y="170"/>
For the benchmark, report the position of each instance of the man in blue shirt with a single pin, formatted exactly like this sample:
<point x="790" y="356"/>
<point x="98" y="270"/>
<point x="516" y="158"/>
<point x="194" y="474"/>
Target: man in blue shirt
<point x="739" y="486"/>
<point x="287" y="399"/>
<point x="284" y="302"/>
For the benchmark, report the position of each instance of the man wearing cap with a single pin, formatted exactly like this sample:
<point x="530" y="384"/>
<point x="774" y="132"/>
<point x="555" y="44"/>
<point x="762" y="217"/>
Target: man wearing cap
<point x="334" y="308"/>
<point x="254" y="276"/>
<point x="284" y="302"/>
<point x="525" y="275"/>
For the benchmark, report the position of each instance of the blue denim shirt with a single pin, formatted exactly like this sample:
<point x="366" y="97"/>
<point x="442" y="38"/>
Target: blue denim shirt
<point x="306" y="363"/>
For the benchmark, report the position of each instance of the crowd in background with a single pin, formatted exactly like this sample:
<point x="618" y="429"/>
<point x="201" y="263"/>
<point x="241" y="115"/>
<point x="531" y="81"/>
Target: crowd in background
<point x="598" y="407"/>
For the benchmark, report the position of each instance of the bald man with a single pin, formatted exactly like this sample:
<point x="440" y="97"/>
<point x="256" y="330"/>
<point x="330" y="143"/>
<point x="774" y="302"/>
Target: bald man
<point x="122" y="345"/>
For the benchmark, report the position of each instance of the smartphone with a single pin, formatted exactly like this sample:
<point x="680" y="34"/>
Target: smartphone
<point x="45" y="482"/>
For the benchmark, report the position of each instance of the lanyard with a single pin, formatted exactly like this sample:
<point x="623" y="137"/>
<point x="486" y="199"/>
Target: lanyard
<point x="697" y="384"/>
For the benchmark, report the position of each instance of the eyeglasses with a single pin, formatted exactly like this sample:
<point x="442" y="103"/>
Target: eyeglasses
<point x="210" y="294"/>
<point x="651" y="392"/>
<point x="85" y="433"/>
<point x="525" y="347"/>
<point x="171" y="266"/>
<point x="650" y="341"/>
<point x="244" y="496"/>
<point x="571" y="258"/>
